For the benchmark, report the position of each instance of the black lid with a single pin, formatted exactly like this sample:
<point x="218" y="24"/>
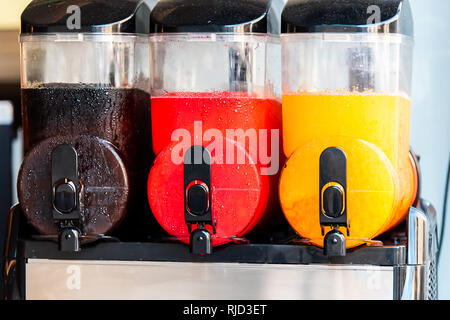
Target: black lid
<point x="375" y="16"/>
<point x="210" y="16"/>
<point x="94" y="16"/>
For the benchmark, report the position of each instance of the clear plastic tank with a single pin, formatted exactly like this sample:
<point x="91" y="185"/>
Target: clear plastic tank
<point x="214" y="84"/>
<point x="87" y="89"/>
<point x="351" y="91"/>
<point x="80" y="81"/>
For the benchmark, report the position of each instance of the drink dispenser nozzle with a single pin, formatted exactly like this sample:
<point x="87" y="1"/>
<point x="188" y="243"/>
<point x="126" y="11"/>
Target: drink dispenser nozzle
<point x="66" y="196"/>
<point x="197" y="199"/>
<point x="333" y="200"/>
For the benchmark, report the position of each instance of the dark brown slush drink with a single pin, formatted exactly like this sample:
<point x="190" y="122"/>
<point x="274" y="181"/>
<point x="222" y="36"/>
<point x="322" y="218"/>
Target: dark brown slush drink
<point x="119" y="116"/>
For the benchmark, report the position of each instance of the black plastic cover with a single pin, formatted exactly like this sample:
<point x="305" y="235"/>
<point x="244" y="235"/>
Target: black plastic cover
<point x="94" y="16"/>
<point x="379" y="16"/>
<point x="210" y="16"/>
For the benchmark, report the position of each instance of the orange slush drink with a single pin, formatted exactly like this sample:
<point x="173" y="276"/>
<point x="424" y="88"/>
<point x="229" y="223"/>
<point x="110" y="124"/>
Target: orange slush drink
<point x="373" y="130"/>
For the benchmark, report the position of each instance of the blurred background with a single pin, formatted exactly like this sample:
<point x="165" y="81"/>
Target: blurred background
<point x="430" y="130"/>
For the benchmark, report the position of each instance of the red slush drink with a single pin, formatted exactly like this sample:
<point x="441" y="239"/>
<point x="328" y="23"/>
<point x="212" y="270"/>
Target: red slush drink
<point x="240" y="193"/>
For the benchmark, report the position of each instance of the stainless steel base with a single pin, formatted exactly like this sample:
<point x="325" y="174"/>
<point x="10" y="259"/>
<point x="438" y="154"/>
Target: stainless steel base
<point x="37" y="269"/>
<point x="56" y="279"/>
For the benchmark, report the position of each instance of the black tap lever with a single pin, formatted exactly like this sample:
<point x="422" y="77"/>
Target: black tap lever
<point x="333" y="199"/>
<point x="66" y="198"/>
<point x="197" y="199"/>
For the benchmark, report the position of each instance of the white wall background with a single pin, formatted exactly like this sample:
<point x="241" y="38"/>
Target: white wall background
<point x="430" y="136"/>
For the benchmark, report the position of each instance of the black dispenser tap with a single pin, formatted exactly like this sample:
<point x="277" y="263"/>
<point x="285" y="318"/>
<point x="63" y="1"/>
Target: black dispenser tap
<point x="66" y="196"/>
<point x="333" y="200"/>
<point x="197" y="199"/>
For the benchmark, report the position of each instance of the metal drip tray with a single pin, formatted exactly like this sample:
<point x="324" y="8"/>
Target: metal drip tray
<point x="218" y="281"/>
<point x="239" y="271"/>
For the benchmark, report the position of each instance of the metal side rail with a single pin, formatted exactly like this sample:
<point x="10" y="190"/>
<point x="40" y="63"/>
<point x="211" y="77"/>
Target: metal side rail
<point x="420" y="273"/>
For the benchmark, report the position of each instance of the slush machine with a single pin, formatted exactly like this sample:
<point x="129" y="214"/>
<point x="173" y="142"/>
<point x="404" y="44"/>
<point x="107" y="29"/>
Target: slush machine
<point x="163" y="147"/>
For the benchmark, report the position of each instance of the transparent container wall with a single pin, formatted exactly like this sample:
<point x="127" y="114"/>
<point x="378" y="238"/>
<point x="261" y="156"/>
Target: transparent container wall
<point x="335" y="62"/>
<point x="114" y="61"/>
<point x="215" y="62"/>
